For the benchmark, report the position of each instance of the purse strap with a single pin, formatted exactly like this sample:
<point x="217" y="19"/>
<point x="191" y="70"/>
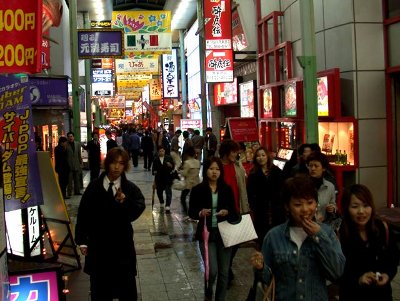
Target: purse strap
<point x="269" y="290"/>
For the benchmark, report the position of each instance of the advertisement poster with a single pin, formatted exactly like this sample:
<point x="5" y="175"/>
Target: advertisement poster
<point x="190" y="124"/>
<point x="95" y="43"/>
<point x="322" y="92"/>
<point x="219" y="66"/>
<point x="146" y="32"/>
<point x="170" y="74"/>
<point x="218" y="24"/>
<point x="289" y="107"/>
<point x="225" y="93"/>
<point x="239" y="41"/>
<point x="22" y="187"/>
<point x="21" y="36"/>
<point x="246" y="91"/>
<point x="4" y="284"/>
<point x="267" y="103"/>
<point x="243" y="129"/>
<point x="46" y="91"/>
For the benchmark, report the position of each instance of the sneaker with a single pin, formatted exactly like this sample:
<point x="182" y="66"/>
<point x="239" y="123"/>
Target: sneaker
<point x="167" y="209"/>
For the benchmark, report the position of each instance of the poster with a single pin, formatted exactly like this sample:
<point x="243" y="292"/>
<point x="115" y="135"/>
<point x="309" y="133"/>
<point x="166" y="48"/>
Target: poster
<point x="322" y="92"/>
<point x="22" y="187"/>
<point x="243" y="129"/>
<point x="246" y="91"/>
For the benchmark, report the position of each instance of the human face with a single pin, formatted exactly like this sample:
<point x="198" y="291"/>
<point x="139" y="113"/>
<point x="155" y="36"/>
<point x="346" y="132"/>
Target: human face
<point x="262" y="157"/>
<point x="315" y="169"/>
<point x="301" y="209"/>
<point x="116" y="169"/>
<point x="213" y="172"/>
<point x="231" y="157"/>
<point x="70" y="138"/>
<point x="360" y="212"/>
<point x="306" y="152"/>
<point x="161" y="152"/>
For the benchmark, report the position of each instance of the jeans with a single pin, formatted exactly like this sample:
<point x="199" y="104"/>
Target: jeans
<point x="218" y="258"/>
<point x="168" y="194"/>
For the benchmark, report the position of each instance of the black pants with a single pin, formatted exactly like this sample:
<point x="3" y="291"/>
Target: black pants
<point x="135" y="157"/>
<point x="148" y="159"/>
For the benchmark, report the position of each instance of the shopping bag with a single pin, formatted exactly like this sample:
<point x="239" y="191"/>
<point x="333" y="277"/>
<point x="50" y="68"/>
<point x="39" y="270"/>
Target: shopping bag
<point x="178" y="184"/>
<point x="237" y="232"/>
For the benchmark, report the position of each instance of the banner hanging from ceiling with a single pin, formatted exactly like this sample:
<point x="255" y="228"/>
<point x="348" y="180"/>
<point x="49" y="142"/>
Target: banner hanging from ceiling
<point x="219" y="66"/>
<point x="170" y="74"/>
<point x="21" y="36"/>
<point x="22" y="188"/>
<point x="218" y="24"/>
<point x="99" y="43"/>
<point x="144" y="66"/>
<point x="146" y="32"/>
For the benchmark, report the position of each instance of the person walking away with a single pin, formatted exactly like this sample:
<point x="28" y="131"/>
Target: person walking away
<point x="211" y="202"/>
<point x="93" y="149"/>
<point x="104" y="230"/>
<point x="74" y="156"/>
<point x="235" y="177"/>
<point x="135" y="147"/>
<point x="175" y="149"/>
<point x="126" y="141"/>
<point x="61" y="164"/>
<point x="301" y="254"/>
<point x="198" y="144"/>
<point x="163" y="165"/>
<point x="211" y="142"/>
<point x="187" y="143"/>
<point x="147" y="147"/>
<point x="190" y="173"/>
<point x="263" y="191"/>
<point x="111" y="143"/>
<point x="369" y="245"/>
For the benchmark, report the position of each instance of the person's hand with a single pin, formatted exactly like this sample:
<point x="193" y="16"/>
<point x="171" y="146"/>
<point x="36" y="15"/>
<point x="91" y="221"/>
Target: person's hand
<point x="330" y="208"/>
<point x="367" y="278"/>
<point x="222" y="212"/>
<point x="257" y="260"/>
<point x="381" y="279"/>
<point x="311" y="227"/>
<point x="120" y="196"/>
<point x="84" y="250"/>
<point x="205" y="212"/>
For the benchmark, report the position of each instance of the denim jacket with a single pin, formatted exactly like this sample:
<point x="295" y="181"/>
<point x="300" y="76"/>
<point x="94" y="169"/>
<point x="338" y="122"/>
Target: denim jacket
<point x="302" y="274"/>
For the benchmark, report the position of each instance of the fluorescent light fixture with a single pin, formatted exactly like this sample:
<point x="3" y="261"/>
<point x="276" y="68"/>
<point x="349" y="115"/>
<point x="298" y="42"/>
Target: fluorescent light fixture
<point x="179" y="13"/>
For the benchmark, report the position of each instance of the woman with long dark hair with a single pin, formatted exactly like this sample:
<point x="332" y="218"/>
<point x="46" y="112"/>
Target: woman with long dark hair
<point x="211" y="202"/>
<point x="369" y="246"/>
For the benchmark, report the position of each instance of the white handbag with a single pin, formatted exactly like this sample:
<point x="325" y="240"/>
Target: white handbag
<point x="238" y="232"/>
<point x="178" y="184"/>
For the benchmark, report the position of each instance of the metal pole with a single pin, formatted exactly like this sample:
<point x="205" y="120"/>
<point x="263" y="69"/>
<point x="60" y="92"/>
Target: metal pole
<point x="88" y="86"/>
<point x="203" y="96"/>
<point x="183" y="73"/>
<point x="308" y="62"/>
<point x="74" y="70"/>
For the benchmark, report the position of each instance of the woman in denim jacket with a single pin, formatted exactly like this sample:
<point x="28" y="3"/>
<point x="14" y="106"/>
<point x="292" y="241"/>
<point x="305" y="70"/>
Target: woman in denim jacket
<point x="301" y="254"/>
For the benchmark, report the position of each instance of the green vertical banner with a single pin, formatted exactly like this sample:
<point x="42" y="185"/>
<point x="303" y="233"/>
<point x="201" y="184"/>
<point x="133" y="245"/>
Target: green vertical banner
<point x="21" y="180"/>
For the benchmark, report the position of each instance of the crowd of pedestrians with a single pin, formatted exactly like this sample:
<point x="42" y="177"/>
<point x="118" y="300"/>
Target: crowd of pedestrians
<point x="292" y="211"/>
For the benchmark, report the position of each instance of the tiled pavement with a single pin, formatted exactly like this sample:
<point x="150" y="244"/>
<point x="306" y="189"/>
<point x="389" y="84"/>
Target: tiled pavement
<point x="169" y="262"/>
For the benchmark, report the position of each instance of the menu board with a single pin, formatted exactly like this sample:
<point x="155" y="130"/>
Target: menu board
<point x="289" y="105"/>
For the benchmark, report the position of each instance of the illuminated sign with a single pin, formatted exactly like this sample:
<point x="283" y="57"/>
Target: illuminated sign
<point x="219" y="66"/>
<point x="225" y="93"/>
<point x="170" y="74"/>
<point x="246" y="91"/>
<point x="218" y="24"/>
<point x="95" y="43"/>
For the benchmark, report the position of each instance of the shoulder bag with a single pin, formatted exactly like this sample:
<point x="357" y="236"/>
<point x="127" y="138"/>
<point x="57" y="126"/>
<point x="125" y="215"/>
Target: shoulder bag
<point x="237" y="232"/>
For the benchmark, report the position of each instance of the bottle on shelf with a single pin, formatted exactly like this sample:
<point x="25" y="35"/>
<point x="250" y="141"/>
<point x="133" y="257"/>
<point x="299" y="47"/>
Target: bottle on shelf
<point x="337" y="157"/>
<point x="344" y="160"/>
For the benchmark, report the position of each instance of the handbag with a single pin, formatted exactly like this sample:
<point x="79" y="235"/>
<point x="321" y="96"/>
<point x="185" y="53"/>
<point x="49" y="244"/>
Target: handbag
<point x="237" y="232"/>
<point x="178" y="184"/>
<point x="267" y="292"/>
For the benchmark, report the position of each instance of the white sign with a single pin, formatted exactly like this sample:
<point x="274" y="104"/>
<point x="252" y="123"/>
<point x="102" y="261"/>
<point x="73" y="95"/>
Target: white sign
<point x="34" y="230"/>
<point x="102" y="89"/>
<point x="153" y="43"/>
<point x="170" y="74"/>
<point x="190" y="124"/>
<point x="145" y="65"/>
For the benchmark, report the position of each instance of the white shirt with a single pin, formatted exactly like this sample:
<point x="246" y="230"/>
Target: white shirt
<point x="298" y="235"/>
<point x="117" y="184"/>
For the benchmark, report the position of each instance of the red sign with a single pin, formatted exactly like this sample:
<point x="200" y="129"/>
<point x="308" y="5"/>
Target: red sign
<point x="225" y="93"/>
<point x="218" y="24"/>
<point x="21" y="36"/>
<point x="238" y="36"/>
<point x="243" y="129"/>
<point x="219" y="66"/>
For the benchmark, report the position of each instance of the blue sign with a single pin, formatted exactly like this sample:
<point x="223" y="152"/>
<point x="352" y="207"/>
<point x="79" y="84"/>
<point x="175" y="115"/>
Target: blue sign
<point x="48" y="91"/>
<point x="100" y="43"/>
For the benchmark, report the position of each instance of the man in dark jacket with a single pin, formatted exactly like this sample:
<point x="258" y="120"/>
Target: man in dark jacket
<point x="211" y="143"/>
<point x="111" y="143"/>
<point x="104" y="231"/>
<point x="147" y="146"/>
<point x="93" y="149"/>
<point x="61" y="164"/>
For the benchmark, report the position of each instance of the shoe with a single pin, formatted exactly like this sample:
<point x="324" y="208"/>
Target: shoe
<point x="167" y="209"/>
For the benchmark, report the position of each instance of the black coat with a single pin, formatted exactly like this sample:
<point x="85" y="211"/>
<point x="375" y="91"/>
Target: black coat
<point x="61" y="160"/>
<point x="162" y="172"/>
<point x="147" y="144"/>
<point x="201" y="198"/>
<point x="376" y="255"/>
<point x="263" y="192"/>
<point x="111" y="143"/>
<point x="93" y="150"/>
<point x="104" y="225"/>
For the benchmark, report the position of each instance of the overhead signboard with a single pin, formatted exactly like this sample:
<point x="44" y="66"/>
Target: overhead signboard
<point x="48" y="91"/>
<point x="219" y="66"/>
<point x="134" y="66"/>
<point x="218" y="24"/>
<point x="98" y="43"/>
<point x="146" y="32"/>
<point x="104" y="63"/>
<point x="155" y="89"/>
<point x="225" y="93"/>
<point x="21" y="36"/>
<point x="170" y="74"/>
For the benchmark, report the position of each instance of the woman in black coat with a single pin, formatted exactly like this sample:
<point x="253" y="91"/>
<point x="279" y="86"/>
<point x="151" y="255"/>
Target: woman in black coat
<point x="263" y="191"/>
<point x="212" y="200"/>
<point x="371" y="253"/>
<point x="104" y="232"/>
<point x="61" y="164"/>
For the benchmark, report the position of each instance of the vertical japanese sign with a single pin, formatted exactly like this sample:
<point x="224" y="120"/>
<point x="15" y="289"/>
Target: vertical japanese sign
<point x="155" y="89"/>
<point x="218" y="24"/>
<point x="170" y="74"/>
<point x="4" y="283"/>
<point x="21" y="36"/>
<point x="34" y="230"/>
<point x="219" y="66"/>
<point x="22" y="188"/>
